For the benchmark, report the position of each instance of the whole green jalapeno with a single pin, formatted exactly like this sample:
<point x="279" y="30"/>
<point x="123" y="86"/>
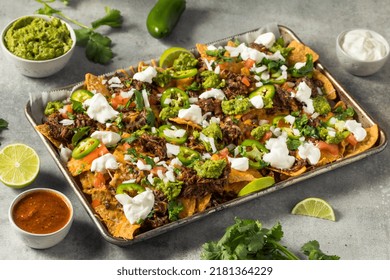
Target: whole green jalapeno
<point x="163" y="17"/>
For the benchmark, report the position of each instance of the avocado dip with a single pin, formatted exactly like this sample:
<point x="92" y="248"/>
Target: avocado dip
<point x="35" y="38"/>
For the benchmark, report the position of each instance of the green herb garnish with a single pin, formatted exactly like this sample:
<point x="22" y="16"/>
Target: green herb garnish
<point x="97" y="46"/>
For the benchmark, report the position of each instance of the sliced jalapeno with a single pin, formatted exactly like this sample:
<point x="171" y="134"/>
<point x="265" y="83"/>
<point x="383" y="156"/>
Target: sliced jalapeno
<point x="184" y="73"/>
<point x="167" y="132"/>
<point x="266" y="91"/>
<point x="129" y="187"/>
<point x="187" y="155"/>
<point x="255" y="154"/>
<point x="255" y="143"/>
<point x="174" y="95"/>
<point x="80" y="95"/>
<point x="85" y="147"/>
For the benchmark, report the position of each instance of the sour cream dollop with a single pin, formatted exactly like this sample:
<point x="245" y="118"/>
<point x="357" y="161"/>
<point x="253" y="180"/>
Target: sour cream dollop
<point x="138" y="207"/>
<point x="364" y="45"/>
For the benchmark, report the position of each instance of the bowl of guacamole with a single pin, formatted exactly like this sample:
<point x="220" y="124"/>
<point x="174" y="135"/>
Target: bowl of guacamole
<point x="38" y="45"/>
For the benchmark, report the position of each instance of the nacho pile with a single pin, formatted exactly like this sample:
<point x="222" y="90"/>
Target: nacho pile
<point x="158" y="145"/>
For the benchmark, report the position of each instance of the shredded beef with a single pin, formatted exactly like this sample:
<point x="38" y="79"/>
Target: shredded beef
<point x="134" y="120"/>
<point x="231" y="133"/>
<point x="64" y="133"/>
<point x="199" y="187"/>
<point x="234" y="86"/>
<point x="160" y="212"/>
<point x="154" y="144"/>
<point x="284" y="101"/>
<point x="210" y="105"/>
<point x="195" y="145"/>
<point x="259" y="47"/>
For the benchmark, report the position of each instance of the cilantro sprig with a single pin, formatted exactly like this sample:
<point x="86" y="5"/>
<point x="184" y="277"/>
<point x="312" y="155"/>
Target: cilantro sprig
<point x="3" y="124"/>
<point x="97" y="46"/>
<point x="249" y="240"/>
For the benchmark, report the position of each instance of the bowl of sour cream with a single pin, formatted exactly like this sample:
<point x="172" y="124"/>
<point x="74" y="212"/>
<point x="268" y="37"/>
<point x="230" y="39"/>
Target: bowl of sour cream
<point x="362" y="52"/>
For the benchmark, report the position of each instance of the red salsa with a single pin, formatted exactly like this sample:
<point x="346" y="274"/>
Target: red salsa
<point x="41" y="212"/>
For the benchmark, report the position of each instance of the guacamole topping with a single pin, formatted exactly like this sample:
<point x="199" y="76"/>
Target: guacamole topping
<point x="37" y="39"/>
<point x="236" y="106"/>
<point x="210" y="168"/>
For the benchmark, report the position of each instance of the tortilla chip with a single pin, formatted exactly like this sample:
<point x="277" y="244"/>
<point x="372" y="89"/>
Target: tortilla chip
<point x="243" y="176"/>
<point x="184" y="83"/>
<point x="327" y="157"/>
<point x="235" y="187"/>
<point x="189" y="206"/>
<point x="202" y="203"/>
<point x="86" y="180"/>
<point x="298" y="54"/>
<point x="202" y="48"/>
<point x="141" y="66"/>
<point x="76" y="166"/>
<point x="330" y="91"/>
<point x="117" y="223"/>
<point x="290" y="173"/>
<point x="124" y="229"/>
<point x="95" y="83"/>
<point x="367" y="143"/>
<point x="186" y="122"/>
<point x="44" y="129"/>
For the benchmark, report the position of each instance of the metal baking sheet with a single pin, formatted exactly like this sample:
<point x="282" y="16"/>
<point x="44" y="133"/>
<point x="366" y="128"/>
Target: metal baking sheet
<point x="34" y="113"/>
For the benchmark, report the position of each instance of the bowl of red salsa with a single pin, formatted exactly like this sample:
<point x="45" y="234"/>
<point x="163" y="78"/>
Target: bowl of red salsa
<point x="42" y="217"/>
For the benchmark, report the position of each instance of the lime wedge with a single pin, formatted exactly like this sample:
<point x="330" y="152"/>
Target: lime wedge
<point x="257" y="185"/>
<point x="169" y="55"/>
<point x="19" y="165"/>
<point x="314" y="207"/>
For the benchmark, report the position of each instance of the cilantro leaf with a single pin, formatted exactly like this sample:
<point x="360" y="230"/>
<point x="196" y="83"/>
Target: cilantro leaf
<point x="313" y="251"/>
<point x="247" y="239"/>
<point x="47" y="10"/>
<point x="113" y="18"/>
<point x="306" y="70"/>
<point x="82" y="36"/>
<point x="3" y="123"/>
<point x="150" y="117"/>
<point x="139" y="100"/>
<point x="98" y="48"/>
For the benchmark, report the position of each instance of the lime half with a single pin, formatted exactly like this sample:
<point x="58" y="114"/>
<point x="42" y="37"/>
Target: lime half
<point x="169" y="55"/>
<point x="19" y="165"/>
<point x="257" y="185"/>
<point x="314" y="207"/>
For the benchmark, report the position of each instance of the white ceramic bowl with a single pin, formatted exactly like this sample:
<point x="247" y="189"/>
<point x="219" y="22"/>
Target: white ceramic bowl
<point x="356" y="66"/>
<point x="41" y="241"/>
<point x="38" y="68"/>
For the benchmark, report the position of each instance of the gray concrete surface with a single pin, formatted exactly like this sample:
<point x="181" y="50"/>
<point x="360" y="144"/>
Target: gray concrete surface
<point x="359" y="192"/>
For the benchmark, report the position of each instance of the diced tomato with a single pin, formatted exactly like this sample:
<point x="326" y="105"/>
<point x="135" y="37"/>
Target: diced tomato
<point x="98" y="152"/>
<point x="155" y="169"/>
<point x="222" y="154"/>
<point x="245" y="80"/>
<point x="286" y="87"/>
<point x="95" y="203"/>
<point x="266" y="136"/>
<point x="67" y="109"/>
<point x="126" y="146"/>
<point x="331" y="148"/>
<point x="351" y="139"/>
<point x="118" y="100"/>
<point x="99" y="181"/>
<point x="249" y="63"/>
